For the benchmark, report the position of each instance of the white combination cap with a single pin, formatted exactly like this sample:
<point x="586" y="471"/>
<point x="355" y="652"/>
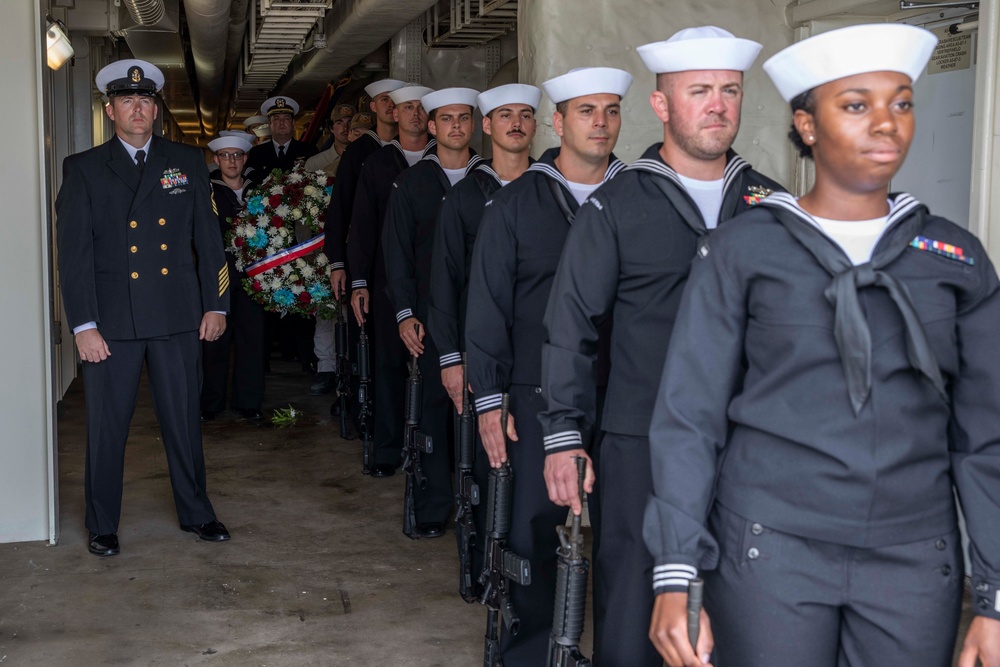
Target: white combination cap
<point x="129" y="77"/>
<point x="376" y="88"/>
<point x="588" y="81"/>
<point x="511" y="93"/>
<point x="239" y="143"/>
<point x="446" y="96"/>
<point x="859" y="49"/>
<point x="279" y="104"/>
<point x="705" y="47"/>
<point x="409" y="93"/>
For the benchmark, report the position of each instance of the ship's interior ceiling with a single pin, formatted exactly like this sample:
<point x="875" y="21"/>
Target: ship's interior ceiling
<point x="223" y="58"/>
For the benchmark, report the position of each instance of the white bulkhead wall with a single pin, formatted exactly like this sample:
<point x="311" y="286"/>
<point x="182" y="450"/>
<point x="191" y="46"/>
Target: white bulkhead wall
<point x="556" y="36"/>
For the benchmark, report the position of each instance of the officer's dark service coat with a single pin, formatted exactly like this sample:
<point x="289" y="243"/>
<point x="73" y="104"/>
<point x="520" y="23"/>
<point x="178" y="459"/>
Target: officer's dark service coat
<point x="514" y="261"/>
<point x="139" y="255"/>
<point x="458" y="226"/>
<point x="408" y="235"/>
<point x="628" y="256"/>
<point x="338" y="214"/>
<point x="263" y="158"/>
<point x="754" y="408"/>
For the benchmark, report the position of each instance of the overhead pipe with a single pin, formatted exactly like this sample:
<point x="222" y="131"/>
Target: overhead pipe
<point x="231" y="66"/>
<point x="208" y="27"/>
<point x="145" y="12"/>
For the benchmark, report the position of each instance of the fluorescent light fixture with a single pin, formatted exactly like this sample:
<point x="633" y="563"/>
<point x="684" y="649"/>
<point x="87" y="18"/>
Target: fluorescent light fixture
<point x="58" y="46"/>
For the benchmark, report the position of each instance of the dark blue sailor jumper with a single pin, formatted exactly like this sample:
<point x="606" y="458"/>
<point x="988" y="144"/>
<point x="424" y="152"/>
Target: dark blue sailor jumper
<point x="408" y="243"/>
<point x="819" y="508"/>
<point x="513" y="264"/>
<point x="366" y="266"/>
<point x="628" y="256"/>
<point x="457" y="229"/>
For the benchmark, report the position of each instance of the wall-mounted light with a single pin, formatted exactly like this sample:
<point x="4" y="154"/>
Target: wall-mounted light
<point x="58" y="46"/>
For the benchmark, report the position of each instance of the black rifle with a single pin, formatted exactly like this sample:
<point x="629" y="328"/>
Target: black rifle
<point x="366" y="414"/>
<point x="502" y="564"/>
<point x="467" y="494"/>
<point x="571" y="592"/>
<point x="343" y="404"/>
<point x="415" y="443"/>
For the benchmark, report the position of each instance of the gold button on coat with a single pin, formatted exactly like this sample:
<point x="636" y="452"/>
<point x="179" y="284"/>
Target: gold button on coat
<point x="163" y="270"/>
<point x="163" y="246"/>
<point x="134" y="275"/>
<point x="133" y="224"/>
<point x="162" y="221"/>
<point x="134" y="249"/>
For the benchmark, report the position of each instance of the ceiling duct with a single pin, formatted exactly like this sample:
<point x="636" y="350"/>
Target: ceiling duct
<point x="353" y="29"/>
<point x="208" y="28"/>
<point x="145" y="12"/>
<point x="461" y="23"/>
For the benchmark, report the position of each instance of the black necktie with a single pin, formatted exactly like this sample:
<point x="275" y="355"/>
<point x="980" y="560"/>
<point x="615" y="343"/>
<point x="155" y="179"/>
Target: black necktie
<point x="281" y="152"/>
<point x="140" y="159"/>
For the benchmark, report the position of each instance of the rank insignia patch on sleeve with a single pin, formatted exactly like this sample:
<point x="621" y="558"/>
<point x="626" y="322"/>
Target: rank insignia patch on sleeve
<point x="223" y="279"/>
<point x="757" y="194"/>
<point x="940" y="248"/>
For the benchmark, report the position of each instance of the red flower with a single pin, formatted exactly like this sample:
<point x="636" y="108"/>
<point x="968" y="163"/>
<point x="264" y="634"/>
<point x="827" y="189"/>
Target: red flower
<point x="256" y="286"/>
<point x="274" y="201"/>
<point x="239" y="241"/>
<point x="277" y="222"/>
<point x="304" y="297"/>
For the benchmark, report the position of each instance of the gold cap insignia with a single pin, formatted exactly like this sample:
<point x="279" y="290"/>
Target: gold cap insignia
<point x="135" y="73"/>
<point x="280" y="103"/>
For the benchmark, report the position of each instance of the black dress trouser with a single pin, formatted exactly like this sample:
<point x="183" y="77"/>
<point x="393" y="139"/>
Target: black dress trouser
<point x="111" y="388"/>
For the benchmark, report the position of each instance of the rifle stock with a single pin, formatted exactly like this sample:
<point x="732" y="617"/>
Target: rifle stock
<point x="415" y="443"/>
<point x="467" y="494"/>
<point x="343" y="371"/>
<point x="571" y="592"/>
<point x="365" y="413"/>
<point x="502" y="565"/>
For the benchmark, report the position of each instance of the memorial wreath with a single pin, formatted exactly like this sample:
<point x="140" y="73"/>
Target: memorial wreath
<point x="283" y="274"/>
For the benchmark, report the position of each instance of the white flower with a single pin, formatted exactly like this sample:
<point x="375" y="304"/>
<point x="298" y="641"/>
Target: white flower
<point x="276" y="283"/>
<point x="296" y="214"/>
<point x="285" y="269"/>
<point x="282" y="211"/>
<point x="321" y="260"/>
<point x="274" y="231"/>
<point x="307" y="272"/>
<point x="300" y="263"/>
<point x="297" y="289"/>
<point x="294" y="177"/>
<point x="276" y="190"/>
<point x="309" y="191"/>
<point x="293" y="278"/>
<point x="282" y="231"/>
<point x="314" y="211"/>
<point x="263" y="220"/>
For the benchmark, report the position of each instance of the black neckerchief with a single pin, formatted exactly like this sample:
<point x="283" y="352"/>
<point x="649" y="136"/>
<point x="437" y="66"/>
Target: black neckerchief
<point x="558" y="184"/>
<point x="850" y="328"/>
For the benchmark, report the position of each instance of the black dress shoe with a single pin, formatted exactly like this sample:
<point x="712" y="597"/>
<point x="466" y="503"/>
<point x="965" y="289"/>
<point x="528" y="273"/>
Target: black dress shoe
<point x="325" y="381"/>
<point x="383" y="471"/>
<point x="213" y="531"/>
<point x="250" y="414"/>
<point x="209" y="415"/>
<point x="433" y="529"/>
<point x="104" y="545"/>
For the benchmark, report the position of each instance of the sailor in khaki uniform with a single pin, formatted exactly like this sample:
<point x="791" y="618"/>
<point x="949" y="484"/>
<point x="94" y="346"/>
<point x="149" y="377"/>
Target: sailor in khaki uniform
<point x="129" y="213"/>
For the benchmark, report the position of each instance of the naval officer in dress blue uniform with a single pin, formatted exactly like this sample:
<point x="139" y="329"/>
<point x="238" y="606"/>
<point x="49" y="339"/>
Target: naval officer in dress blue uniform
<point x="129" y="213"/>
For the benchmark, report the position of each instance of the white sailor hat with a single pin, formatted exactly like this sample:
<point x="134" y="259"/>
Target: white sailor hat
<point x="239" y="143"/>
<point x="588" y="81"/>
<point x="408" y="93"/>
<point x="446" y="96"/>
<point x="255" y="120"/>
<point x="129" y="77"/>
<point x="376" y="88"/>
<point x="879" y="47"/>
<point x="238" y="133"/>
<point x="511" y="93"/>
<point x="705" y="47"/>
<point x="279" y="104"/>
